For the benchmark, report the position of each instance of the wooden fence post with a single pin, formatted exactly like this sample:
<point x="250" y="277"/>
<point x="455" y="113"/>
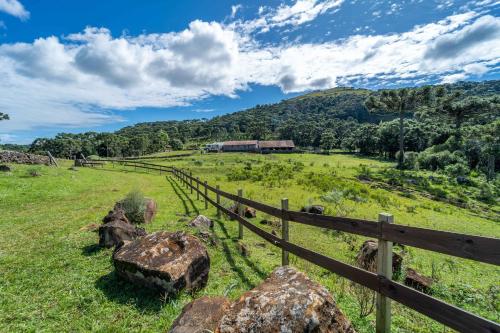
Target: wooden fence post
<point x="384" y="268"/>
<point x="240" y="213"/>
<point x="284" y="232"/>
<point x="218" y="201"/>
<point x="197" y="188"/>
<point x="191" y="181"/>
<point x="206" y="194"/>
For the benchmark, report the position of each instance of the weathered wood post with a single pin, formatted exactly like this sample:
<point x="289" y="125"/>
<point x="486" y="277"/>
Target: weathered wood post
<point x="218" y="201"/>
<point x="191" y="181"/>
<point x="197" y="188"/>
<point x="240" y="213"/>
<point x="206" y="194"/>
<point x="284" y="232"/>
<point x="384" y="268"/>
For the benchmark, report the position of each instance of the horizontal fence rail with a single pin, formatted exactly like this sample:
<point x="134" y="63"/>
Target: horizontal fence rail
<point x="471" y="247"/>
<point x="478" y="248"/>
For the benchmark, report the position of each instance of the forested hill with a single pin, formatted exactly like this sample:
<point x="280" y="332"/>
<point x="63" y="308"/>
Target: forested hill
<point x="306" y="116"/>
<point x="302" y="119"/>
<point x="330" y="119"/>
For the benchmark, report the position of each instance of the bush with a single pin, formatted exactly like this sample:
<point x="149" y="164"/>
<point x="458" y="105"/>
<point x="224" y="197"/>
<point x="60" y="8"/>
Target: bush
<point x="364" y="172"/>
<point x="431" y="160"/>
<point x="33" y="172"/>
<point x="134" y="206"/>
<point x="458" y="169"/>
<point x="410" y="161"/>
<point x="198" y="163"/>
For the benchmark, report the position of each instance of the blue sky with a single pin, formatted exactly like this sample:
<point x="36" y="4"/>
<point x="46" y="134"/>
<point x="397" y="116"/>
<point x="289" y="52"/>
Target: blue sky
<point x="73" y="66"/>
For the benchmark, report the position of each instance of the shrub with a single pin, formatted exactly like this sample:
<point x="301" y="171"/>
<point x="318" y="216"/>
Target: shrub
<point x="457" y="169"/>
<point x="198" y="163"/>
<point x="486" y="194"/>
<point x="134" y="206"/>
<point x="410" y="161"/>
<point x="33" y="172"/>
<point x="364" y="172"/>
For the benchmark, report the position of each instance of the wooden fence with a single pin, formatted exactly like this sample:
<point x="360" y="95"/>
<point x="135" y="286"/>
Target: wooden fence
<point x="483" y="249"/>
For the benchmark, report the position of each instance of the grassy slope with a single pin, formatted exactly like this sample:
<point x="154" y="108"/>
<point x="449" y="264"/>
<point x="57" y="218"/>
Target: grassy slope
<point x="54" y="278"/>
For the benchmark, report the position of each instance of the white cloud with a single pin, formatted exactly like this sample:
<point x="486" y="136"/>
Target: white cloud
<point x="14" y="8"/>
<point x="234" y="10"/>
<point x="69" y="82"/>
<point x="452" y="78"/>
<point x="7" y="138"/>
<point x="302" y="11"/>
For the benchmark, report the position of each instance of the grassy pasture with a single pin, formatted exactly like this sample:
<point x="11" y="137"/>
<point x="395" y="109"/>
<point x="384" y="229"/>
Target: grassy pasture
<point x="54" y="277"/>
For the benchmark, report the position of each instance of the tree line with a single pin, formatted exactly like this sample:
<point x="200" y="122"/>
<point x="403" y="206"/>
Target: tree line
<point x="433" y="127"/>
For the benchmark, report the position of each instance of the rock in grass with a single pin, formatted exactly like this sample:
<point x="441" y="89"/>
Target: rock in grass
<point x="367" y="258"/>
<point x="118" y="231"/>
<point x="313" y="209"/>
<point x="201" y="315"/>
<point x="164" y="261"/>
<point x="250" y="212"/>
<point x="287" y="301"/>
<point x="417" y="281"/>
<point x="201" y="221"/>
<point x="150" y="210"/>
<point x="114" y="215"/>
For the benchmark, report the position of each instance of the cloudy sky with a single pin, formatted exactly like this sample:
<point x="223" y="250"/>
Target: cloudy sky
<point x="100" y="65"/>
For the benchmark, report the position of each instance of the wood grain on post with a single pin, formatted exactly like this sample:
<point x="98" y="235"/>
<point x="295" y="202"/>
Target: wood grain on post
<point x="197" y="188"/>
<point x="206" y="195"/>
<point x="284" y="233"/>
<point x="240" y="213"/>
<point x="217" y="195"/>
<point x="191" y="181"/>
<point x="384" y="268"/>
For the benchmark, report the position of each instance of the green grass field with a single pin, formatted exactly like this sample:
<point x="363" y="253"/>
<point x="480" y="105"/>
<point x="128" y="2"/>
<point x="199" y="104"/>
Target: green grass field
<point x="54" y="277"/>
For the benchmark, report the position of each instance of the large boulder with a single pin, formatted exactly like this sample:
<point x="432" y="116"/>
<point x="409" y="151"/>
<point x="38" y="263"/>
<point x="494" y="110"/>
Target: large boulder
<point x="116" y="232"/>
<point x="367" y="258"/>
<point x="165" y="261"/>
<point x="313" y="209"/>
<point x="201" y="221"/>
<point x="287" y="301"/>
<point x="418" y="281"/>
<point x="150" y="209"/>
<point x="201" y="315"/>
<point x="117" y="214"/>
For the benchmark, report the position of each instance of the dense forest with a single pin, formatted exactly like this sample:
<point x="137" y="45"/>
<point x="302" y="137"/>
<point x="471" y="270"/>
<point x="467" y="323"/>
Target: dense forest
<point x="453" y="126"/>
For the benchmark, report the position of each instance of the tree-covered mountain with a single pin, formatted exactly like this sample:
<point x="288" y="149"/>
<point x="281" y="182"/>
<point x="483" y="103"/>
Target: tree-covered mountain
<point x="334" y="118"/>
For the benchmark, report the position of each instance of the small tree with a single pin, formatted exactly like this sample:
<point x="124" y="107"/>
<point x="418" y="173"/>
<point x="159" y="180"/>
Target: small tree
<point x="4" y="116"/>
<point x="400" y="101"/>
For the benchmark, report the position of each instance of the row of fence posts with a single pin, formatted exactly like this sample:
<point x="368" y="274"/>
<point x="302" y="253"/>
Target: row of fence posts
<point x="384" y="255"/>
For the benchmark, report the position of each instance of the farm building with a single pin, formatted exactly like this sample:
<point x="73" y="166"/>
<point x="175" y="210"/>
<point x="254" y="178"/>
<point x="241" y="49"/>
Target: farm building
<point x="213" y="147"/>
<point x="277" y="146"/>
<point x="250" y="145"/>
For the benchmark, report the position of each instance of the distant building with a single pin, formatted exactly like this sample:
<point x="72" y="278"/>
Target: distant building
<point x="213" y="147"/>
<point x="265" y="147"/>
<point x="276" y="146"/>
<point x="243" y="146"/>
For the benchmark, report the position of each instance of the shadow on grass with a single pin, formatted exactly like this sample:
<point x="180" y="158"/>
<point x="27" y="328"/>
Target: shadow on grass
<point x="123" y="292"/>
<point x="90" y="250"/>
<point x="231" y="261"/>
<point x="183" y="196"/>
<point x="174" y="187"/>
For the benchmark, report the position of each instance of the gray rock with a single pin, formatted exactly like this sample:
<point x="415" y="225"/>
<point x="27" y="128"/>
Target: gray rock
<point x="201" y="221"/>
<point x="201" y="315"/>
<point x="116" y="232"/>
<point x="164" y="261"/>
<point x="287" y="301"/>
